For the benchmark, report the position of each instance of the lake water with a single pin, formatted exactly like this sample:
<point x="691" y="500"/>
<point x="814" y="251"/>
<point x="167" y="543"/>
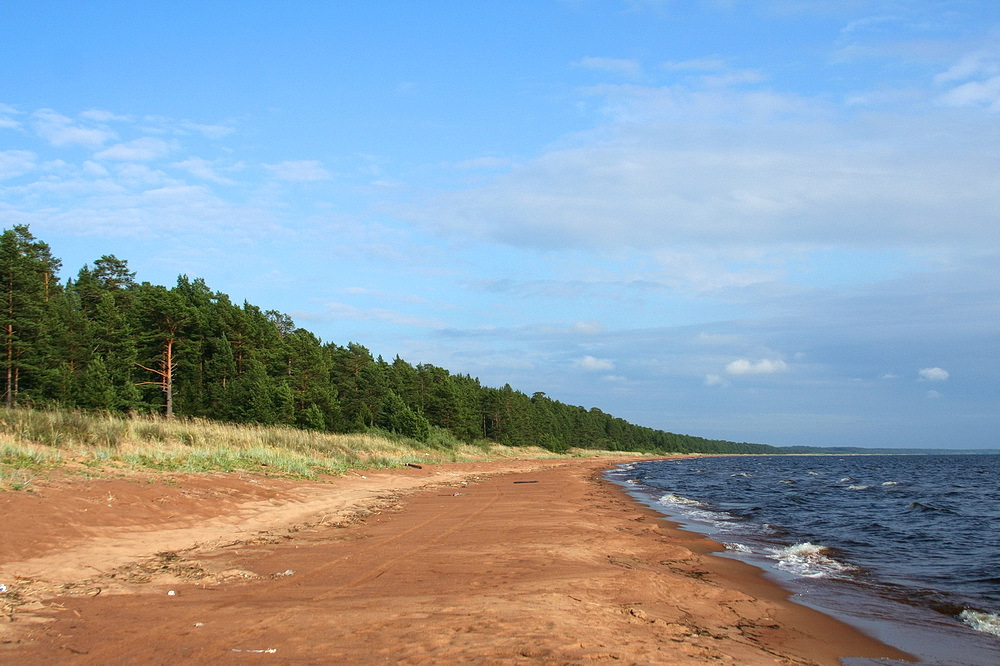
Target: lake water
<point x="907" y="548"/>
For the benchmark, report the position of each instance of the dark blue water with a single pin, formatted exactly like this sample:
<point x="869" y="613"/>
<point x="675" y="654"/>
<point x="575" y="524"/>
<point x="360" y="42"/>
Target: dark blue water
<point x="905" y="547"/>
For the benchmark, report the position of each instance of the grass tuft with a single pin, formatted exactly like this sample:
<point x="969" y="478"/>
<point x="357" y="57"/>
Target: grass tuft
<point x="36" y="439"/>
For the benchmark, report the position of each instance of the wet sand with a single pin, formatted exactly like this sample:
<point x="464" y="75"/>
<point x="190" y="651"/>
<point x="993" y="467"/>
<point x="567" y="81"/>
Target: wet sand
<point x="489" y="563"/>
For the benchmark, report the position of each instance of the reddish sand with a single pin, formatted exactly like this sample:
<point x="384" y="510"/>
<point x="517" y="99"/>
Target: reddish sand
<point x="494" y="563"/>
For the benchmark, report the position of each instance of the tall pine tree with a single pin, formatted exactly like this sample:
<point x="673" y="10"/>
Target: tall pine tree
<point x="27" y="281"/>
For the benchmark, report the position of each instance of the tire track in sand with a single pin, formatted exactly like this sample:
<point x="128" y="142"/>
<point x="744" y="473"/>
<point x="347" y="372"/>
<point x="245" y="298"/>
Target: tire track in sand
<point x="435" y="528"/>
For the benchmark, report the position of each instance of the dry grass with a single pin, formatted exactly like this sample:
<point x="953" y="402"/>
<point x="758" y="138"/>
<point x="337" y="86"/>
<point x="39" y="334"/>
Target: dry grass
<point x="32" y="441"/>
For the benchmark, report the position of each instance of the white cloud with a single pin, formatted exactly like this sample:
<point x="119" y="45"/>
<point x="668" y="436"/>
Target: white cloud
<point x="713" y="72"/>
<point x="975" y="93"/>
<point x="695" y="65"/>
<point x="969" y="66"/>
<point x="102" y="116"/>
<point x="91" y="168"/>
<point x="715" y="380"/>
<point x="208" y="131"/>
<point x="343" y="311"/>
<point x="180" y="195"/>
<point x="591" y="363"/>
<point x="15" y="162"/>
<point x="734" y="77"/>
<point x="974" y="81"/>
<point x="762" y="367"/>
<point x="299" y="170"/>
<point x="59" y="130"/>
<point x="588" y="327"/>
<point x="203" y="169"/>
<point x="717" y="167"/>
<point x="7" y="120"/>
<point x="933" y="374"/>
<point x="114" y="188"/>
<point x="134" y="175"/>
<point x="143" y="149"/>
<point x="707" y="338"/>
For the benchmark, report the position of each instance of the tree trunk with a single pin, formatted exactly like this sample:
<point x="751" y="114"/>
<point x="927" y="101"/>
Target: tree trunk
<point x="9" y="379"/>
<point x="166" y="374"/>
<point x="168" y="378"/>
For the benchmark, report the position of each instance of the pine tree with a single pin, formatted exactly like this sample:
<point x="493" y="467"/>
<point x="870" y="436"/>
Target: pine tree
<point x="253" y="397"/>
<point x="114" y="343"/>
<point x="27" y="281"/>
<point x="113" y="275"/>
<point x="65" y="347"/>
<point x="94" y="390"/>
<point x="397" y="417"/>
<point x="162" y="315"/>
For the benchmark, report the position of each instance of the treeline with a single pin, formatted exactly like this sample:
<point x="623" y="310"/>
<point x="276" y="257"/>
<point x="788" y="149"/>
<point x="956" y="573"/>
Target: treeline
<point x="103" y="341"/>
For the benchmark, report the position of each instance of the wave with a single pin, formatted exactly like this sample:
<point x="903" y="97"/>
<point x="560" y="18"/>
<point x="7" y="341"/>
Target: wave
<point x="909" y="545"/>
<point x="808" y="560"/>
<point x="924" y="507"/>
<point x="671" y="498"/>
<point x="723" y="522"/>
<point x="988" y="623"/>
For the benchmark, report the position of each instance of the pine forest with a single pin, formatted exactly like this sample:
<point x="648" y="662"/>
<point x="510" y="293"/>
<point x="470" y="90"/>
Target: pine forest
<point x="104" y="342"/>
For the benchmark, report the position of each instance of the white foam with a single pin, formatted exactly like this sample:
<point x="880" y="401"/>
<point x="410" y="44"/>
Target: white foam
<point x="808" y="560"/>
<point x="738" y="547"/>
<point x="670" y="498"/>
<point x="890" y="483"/>
<point x="852" y="487"/>
<point x="988" y="623"/>
<point x="846" y="479"/>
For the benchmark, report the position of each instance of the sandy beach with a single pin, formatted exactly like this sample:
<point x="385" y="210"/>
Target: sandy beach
<point x="534" y="561"/>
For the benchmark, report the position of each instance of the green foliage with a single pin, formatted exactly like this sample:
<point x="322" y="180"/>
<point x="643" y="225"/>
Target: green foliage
<point x="108" y="343"/>
<point x="27" y="283"/>
<point x="552" y="443"/>
<point x="441" y="439"/>
<point x="396" y="416"/>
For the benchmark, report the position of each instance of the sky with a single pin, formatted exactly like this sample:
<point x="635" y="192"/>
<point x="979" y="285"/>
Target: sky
<point x="772" y="221"/>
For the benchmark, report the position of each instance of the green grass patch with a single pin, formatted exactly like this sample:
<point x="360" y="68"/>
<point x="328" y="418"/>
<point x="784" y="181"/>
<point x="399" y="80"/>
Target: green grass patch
<point x="15" y="479"/>
<point x="33" y="440"/>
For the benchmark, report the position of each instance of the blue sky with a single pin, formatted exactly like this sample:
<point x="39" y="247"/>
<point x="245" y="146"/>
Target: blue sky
<point x="768" y="221"/>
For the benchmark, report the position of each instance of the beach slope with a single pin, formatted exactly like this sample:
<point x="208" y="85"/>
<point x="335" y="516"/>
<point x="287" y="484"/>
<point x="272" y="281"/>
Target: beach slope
<point x="534" y="561"/>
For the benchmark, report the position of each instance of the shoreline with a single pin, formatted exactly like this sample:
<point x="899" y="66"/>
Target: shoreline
<point x="533" y="561"/>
